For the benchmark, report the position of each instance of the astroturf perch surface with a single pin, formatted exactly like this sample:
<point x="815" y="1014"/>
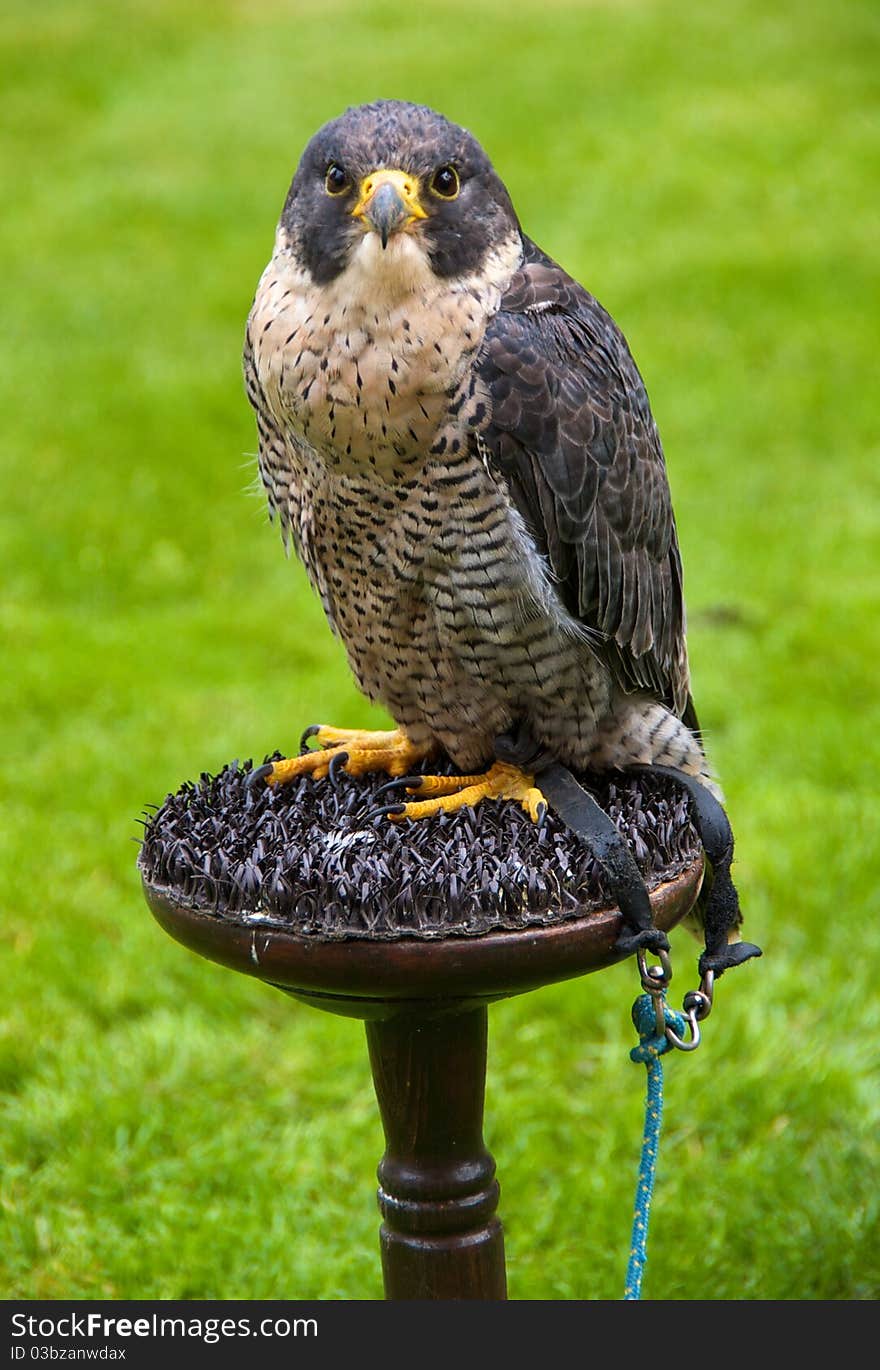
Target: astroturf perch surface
<point x="172" y="1130"/>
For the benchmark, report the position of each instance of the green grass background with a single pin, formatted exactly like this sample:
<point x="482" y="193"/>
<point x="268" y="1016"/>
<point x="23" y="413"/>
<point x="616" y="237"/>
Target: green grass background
<point x="171" y="1129"/>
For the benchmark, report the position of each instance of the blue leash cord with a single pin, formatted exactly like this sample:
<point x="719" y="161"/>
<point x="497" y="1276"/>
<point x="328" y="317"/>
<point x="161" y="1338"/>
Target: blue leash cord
<point x="651" y="1047"/>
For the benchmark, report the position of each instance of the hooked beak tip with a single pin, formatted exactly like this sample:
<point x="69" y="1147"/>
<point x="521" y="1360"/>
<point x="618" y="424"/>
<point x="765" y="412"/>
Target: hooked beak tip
<point x="389" y="203"/>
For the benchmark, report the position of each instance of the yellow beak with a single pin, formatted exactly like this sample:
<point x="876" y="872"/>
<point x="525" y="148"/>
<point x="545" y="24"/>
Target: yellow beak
<point x="388" y="202"/>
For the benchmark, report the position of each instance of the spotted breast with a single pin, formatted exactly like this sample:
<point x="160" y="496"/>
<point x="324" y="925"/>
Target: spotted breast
<point x="368" y="406"/>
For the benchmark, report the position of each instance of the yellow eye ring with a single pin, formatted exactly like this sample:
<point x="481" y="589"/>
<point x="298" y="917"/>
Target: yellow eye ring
<point x="445" y="183"/>
<point x="336" y="181"/>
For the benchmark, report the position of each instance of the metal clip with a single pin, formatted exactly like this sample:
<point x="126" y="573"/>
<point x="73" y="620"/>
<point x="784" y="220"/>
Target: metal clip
<point x="700" y="1000"/>
<point x="654" y="982"/>
<point x="654" y="978"/>
<point x="679" y="1042"/>
<point x="696" y="1008"/>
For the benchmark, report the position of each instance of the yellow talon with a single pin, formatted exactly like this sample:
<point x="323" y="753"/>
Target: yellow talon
<point x="392" y="752"/>
<point x="450" y="792"/>
<point x="396" y="754"/>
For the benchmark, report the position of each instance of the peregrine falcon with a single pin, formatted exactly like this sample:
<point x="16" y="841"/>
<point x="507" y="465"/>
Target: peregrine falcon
<point x="458" y="444"/>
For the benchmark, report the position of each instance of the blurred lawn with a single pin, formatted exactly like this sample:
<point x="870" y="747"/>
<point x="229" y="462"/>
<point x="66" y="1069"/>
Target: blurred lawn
<point x="710" y="172"/>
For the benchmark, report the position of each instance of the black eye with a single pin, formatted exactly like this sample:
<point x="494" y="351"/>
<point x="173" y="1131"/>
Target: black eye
<point x="445" y="182"/>
<point x="335" y="182"/>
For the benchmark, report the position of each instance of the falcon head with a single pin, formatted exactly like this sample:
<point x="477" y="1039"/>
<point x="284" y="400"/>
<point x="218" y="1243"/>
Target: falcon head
<point x="395" y="189"/>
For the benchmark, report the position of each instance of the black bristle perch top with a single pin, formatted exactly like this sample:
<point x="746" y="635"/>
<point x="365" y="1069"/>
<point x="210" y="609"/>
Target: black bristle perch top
<point x="314" y="858"/>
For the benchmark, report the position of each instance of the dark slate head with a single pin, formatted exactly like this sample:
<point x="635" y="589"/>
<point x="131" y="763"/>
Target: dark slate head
<point x="398" y="171"/>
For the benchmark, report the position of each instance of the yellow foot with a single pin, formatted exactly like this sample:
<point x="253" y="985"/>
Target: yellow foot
<point x="446" y="793"/>
<point x="347" y="749"/>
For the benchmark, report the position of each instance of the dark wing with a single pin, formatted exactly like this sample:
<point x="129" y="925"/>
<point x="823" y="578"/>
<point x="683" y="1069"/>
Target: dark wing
<point x="572" y="434"/>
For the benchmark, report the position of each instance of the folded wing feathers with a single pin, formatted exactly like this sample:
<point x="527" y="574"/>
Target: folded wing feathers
<point x="572" y="433"/>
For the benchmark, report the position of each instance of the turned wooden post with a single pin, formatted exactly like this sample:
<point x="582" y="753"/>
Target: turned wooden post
<point x="437" y="1189"/>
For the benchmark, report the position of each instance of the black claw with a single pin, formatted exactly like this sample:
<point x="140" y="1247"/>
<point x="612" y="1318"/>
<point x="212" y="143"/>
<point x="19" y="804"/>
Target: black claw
<point x="310" y="731"/>
<point x="406" y="782"/>
<point x="385" y="810"/>
<point x="338" y="762"/>
<point x="261" y="773"/>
